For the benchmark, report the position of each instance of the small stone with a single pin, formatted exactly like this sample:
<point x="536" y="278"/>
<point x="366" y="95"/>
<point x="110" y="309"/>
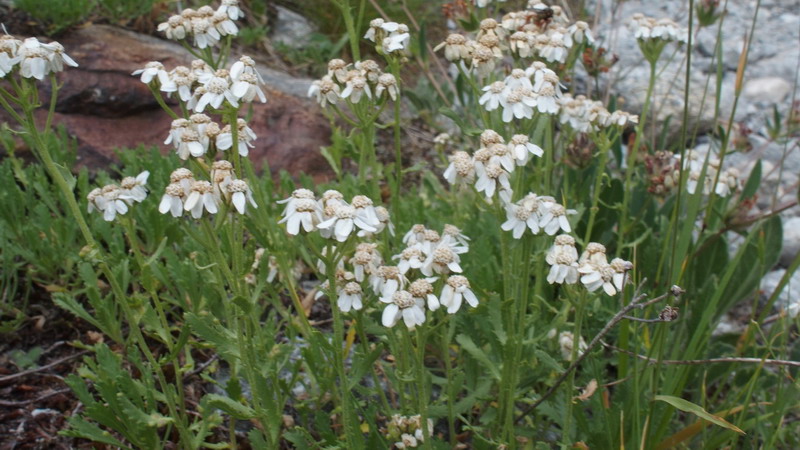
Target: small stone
<point x="791" y="241"/>
<point x="767" y="89"/>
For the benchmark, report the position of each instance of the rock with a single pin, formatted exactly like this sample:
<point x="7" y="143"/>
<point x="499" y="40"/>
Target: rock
<point x="106" y="108"/>
<point x="791" y="241"/>
<point x="790" y="292"/>
<point x="767" y="89"/>
<point x="291" y="29"/>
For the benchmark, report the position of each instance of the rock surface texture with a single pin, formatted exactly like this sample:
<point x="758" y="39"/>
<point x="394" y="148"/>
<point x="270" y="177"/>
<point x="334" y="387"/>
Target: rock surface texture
<point x="106" y="108"/>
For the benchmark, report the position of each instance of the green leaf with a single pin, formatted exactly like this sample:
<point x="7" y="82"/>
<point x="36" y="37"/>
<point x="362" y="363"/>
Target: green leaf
<point x="80" y="428"/>
<point x="67" y="175"/>
<point x="229" y="405"/>
<point x="753" y="182"/>
<point x="209" y="329"/>
<point x="687" y="406"/>
<point x="470" y="347"/>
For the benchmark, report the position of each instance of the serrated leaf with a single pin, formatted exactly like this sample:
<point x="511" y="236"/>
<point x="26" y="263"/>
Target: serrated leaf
<point x="80" y="428"/>
<point x="221" y="338"/>
<point x="687" y="406"/>
<point x="469" y="346"/>
<point x="229" y="406"/>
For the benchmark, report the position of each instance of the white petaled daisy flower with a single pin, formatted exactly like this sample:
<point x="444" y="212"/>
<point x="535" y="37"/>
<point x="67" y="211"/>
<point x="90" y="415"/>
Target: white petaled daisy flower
<point x="386" y="280"/>
<point x="303" y="211"/>
<point x="183" y="79"/>
<point x="246" y="88"/>
<point x="518" y="217"/>
<point x="174" y="28"/>
<point x="483" y="60"/>
<point x="566" y="340"/>
<point x="455" y="48"/>
<point x="396" y="40"/>
<point x="221" y="176"/>
<point x="520" y="43"/>
<point x="503" y="155"/>
<point x="384" y="222"/>
<point x="403" y="304"/>
<point x="563" y="259"/>
<point x="621" y="268"/>
<point x="231" y="8"/>
<point x="521" y="147"/>
<point x="455" y="291"/>
<point x="366" y="260"/>
<point x="201" y="198"/>
<point x="110" y="202"/>
<point x="461" y="168"/>
<point x="387" y="83"/>
<point x="224" y="24"/>
<point x="36" y="59"/>
<point x="355" y="86"/>
<point x="493" y="43"/>
<point x="369" y="69"/>
<point x="244" y="65"/>
<point x="414" y="235"/>
<point x="133" y="188"/>
<point x="184" y="178"/>
<point x="325" y="90"/>
<point x="217" y="91"/>
<point x="452" y="236"/>
<point x="555" y="218"/>
<point x="490" y="26"/>
<point x="337" y="69"/>
<point x="411" y="258"/>
<point x="291" y="202"/>
<point x="493" y="95"/>
<point x="594" y="253"/>
<point x="344" y="221"/>
<point x="423" y="289"/>
<point x="518" y="104"/>
<point x="375" y="30"/>
<point x="245" y="137"/>
<point x="365" y="210"/>
<point x="578" y="33"/>
<point x="176" y="131"/>
<point x="92" y="198"/>
<point x="241" y="195"/>
<point x="441" y="260"/>
<point x="430" y="240"/>
<point x="205" y="35"/>
<point x="57" y="58"/>
<point x="597" y="275"/>
<point x="518" y="79"/>
<point x="190" y="144"/>
<point x="9" y="47"/>
<point x="350" y="297"/>
<point x="172" y="201"/>
<point x="154" y="70"/>
<point x="493" y="175"/>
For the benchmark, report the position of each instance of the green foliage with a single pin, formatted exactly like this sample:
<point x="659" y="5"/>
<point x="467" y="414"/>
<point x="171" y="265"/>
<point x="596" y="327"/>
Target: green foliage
<point x="58" y="15"/>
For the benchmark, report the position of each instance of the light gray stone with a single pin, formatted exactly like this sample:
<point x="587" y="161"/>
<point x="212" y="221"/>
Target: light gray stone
<point x="291" y="29"/>
<point x="767" y="89"/>
<point x="791" y="241"/>
<point x="790" y="292"/>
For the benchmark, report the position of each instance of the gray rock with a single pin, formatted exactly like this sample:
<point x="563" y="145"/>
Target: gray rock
<point x="767" y="89"/>
<point x="791" y="241"/>
<point x="790" y="292"/>
<point x="291" y="29"/>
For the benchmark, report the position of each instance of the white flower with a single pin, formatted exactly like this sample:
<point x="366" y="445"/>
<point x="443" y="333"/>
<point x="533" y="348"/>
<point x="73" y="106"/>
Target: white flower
<point x="221" y="176"/>
<point x="461" y="168"/>
<point x="174" y="28"/>
<point x="200" y="198"/>
<point x="190" y="144"/>
<point x="621" y="268"/>
<point x="355" y="86"/>
<point x="411" y="258"/>
<point x="92" y="198"/>
<point x="455" y="48"/>
<point x="133" y="188"/>
<point x="366" y="260"/>
<point x="57" y="58"/>
<point x="397" y="40"/>
<point x="205" y="35"/>
<point x="384" y="222"/>
<point x="301" y="211"/>
<point x="241" y="195"/>
<point x="566" y="340"/>
<point x="453" y="237"/>
<point x="579" y="32"/>
<point x="388" y="83"/>
<point x="518" y="217"/>
<point x="483" y="60"/>
<point x="217" y="90"/>
<point x="491" y="176"/>
<point x="350" y="297"/>
<point x="375" y="29"/>
<point x="563" y="259"/>
<point x="344" y="220"/>
<point x="366" y="211"/>
<point x="441" y="260"/>
<point x="244" y="135"/>
<point x="34" y="59"/>
<point x="493" y="95"/>
<point x="423" y="289"/>
<point x="223" y="24"/>
<point x="231" y="8"/>
<point x="520" y="43"/>
<point x="182" y="80"/>
<point x="337" y="70"/>
<point x="184" y="178"/>
<point x="244" y="65"/>
<point x="325" y="91"/>
<point x="386" y="280"/>
<point x="554" y="218"/>
<point x="246" y="88"/>
<point x="518" y="79"/>
<point x="291" y="202"/>
<point x="522" y="148"/>
<point x="172" y="201"/>
<point x="455" y="290"/>
<point x="9" y="47"/>
<point x="154" y="70"/>
<point x="414" y="235"/>
<point x="403" y="304"/>
<point x="597" y="275"/>
<point x="110" y="202"/>
<point x="518" y="104"/>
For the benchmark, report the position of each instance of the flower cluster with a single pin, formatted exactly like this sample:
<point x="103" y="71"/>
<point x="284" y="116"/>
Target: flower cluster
<point x="32" y="58"/>
<point x="205" y="24"/>
<point x="113" y="199"/>
<point x="524" y="91"/>
<point x="566" y="343"/>
<point x="537" y="213"/>
<point x="540" y="31"/>
<point x="592" y="267"/>
<point x="199" y="135"/>
<point x="492" y="164"/>
<point x="332" y="216"/>
<point x="390" y="37"/>
<point x="585" y="115"/>
<point x="184" y="193"/>
<point x="199" y="86"/>
<point x="352" y="82"/>
<point x="650" y="29"/>
<point x="407" y="431"/>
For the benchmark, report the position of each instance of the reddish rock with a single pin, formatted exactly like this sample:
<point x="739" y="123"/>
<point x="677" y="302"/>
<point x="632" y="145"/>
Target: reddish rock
<point x="106" y="108"/>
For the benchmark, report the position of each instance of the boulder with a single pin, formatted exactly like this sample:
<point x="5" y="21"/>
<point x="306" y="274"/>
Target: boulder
<point x="105" y="108"/>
